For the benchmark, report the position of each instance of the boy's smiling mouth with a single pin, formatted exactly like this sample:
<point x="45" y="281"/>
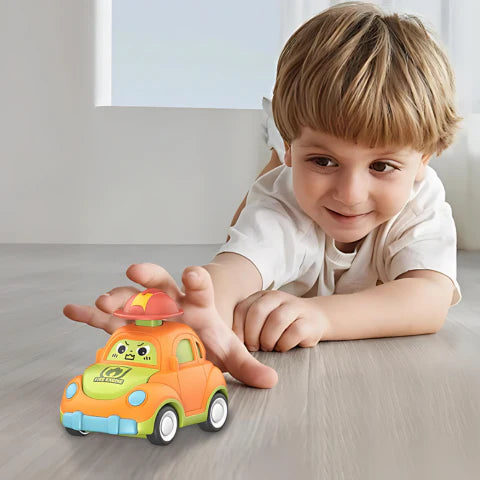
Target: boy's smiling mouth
<point x="346" y="218"/>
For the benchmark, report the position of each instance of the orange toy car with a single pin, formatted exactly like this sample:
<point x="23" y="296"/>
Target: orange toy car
<point x="151" y="378"/>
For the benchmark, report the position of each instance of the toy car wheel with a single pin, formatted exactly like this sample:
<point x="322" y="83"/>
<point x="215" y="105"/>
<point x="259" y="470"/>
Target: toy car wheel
<point x="76" y="433"/>
<point x="165" y="428"/>
<point x="217" y="413"/>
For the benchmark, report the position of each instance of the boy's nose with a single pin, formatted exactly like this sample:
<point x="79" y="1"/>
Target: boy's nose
<point x="351" y="191"/>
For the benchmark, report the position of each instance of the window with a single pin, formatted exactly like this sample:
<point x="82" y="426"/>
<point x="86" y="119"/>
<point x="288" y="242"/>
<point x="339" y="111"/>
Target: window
<point x="184" y="351"/>
<point x="187" y="53"/>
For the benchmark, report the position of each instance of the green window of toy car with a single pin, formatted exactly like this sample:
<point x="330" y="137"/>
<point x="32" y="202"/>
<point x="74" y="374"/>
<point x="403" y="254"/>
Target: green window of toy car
<point x="199" y="350"/>
<point x="184" y="351"/>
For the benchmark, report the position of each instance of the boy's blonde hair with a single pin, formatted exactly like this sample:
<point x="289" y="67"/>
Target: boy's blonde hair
<point x="362" y="75"/>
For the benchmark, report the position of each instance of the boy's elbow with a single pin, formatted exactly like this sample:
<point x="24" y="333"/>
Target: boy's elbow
<point x="440" y="311"/>
<point x="431" y="324"/>
<point x="437" y="297"/>
<point x="447" y="292"/>
<point x="438" y="323"/>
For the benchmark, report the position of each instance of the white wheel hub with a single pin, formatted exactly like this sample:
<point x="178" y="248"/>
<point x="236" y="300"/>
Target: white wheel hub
<point x="168" y="425"/>
<point x="218" y="412"/>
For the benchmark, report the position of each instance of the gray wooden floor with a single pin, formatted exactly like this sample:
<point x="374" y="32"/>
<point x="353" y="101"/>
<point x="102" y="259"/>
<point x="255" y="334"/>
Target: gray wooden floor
<point x="369" y="409"/>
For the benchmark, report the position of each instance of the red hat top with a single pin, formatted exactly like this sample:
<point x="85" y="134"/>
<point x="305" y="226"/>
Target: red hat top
<point x="151" y="304"/>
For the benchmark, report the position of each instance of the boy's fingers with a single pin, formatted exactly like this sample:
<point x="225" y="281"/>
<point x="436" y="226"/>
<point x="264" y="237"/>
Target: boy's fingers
<point x="115" y="298"/>
<point x="255" y="310"/>
<point x="94" y="317"/>
<point x="240" y="314"/>
<point x="294" y="335"/>
<point x="198" y="287"/>
<point x="277" y="324"/>
<point x="154" y="276"/>
<point x="238" y="325"/>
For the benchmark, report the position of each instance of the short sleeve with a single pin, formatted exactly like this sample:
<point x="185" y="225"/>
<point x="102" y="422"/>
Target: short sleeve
<point x="272" y="231"/>
<point x="268" y="239"/>
<point x="427" y="241"/>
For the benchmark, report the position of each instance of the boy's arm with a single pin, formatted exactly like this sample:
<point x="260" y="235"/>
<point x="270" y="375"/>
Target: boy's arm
<point x="415" y="303"/>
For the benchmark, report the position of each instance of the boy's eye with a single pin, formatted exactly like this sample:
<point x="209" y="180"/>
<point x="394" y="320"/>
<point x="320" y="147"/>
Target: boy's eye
<point x="121" y="348"/>
<point x="382" y="167"/>
<point x="322" y="161"/>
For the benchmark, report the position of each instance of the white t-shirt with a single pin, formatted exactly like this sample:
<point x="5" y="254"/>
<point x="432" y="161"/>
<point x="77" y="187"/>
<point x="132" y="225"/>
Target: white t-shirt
<point x="293" y="254"/>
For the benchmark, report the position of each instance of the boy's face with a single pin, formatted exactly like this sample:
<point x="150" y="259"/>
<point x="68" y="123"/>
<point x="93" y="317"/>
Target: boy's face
<point x="348" y="189"/>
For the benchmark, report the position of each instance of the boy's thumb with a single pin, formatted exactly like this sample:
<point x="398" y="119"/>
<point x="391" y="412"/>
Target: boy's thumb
<point x="198" y="287"/>
<point x="245" y="367"/>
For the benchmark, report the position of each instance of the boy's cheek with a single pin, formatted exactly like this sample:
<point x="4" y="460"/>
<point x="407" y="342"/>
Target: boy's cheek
<point x="306" y="195"/>
<point x="395" y="200"/>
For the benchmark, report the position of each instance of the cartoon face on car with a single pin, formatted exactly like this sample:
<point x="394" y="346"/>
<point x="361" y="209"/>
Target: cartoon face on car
<point x="150" y="379"/>
<point x="131" y="350"/>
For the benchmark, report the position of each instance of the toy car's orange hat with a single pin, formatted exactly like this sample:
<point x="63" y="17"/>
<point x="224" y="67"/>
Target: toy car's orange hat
<point x="151" y="304"/>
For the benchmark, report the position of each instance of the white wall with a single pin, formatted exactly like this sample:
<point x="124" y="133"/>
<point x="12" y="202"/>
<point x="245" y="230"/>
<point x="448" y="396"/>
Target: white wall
<point x="459" y="169"/>
<point x="73" y="173"/>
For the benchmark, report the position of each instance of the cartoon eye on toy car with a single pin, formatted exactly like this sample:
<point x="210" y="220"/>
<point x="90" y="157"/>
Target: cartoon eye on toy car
<point x="150" y="379"/>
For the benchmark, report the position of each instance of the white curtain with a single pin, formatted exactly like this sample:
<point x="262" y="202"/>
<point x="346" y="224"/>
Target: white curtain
<point x="455" y="23"/>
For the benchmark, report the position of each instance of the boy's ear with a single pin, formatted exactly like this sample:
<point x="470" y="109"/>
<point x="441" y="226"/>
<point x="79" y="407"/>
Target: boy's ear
<point x="288" y="155"/>
<point x="421" y="168"/>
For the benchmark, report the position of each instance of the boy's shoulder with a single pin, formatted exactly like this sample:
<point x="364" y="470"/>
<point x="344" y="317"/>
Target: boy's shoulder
<point x="275" y="187"/>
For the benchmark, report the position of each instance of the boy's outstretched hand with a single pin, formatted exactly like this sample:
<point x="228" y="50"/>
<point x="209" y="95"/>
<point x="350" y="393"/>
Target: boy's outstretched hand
<point x="224" y="348"/>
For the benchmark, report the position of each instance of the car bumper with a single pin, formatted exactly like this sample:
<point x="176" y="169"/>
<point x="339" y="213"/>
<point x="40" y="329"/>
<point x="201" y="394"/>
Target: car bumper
<point x="113" y="424"/>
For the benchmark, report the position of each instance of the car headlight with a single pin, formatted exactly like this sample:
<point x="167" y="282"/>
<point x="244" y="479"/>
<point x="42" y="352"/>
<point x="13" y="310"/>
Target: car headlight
<point x="71" y="390"/>
<point x="136" y="398"/>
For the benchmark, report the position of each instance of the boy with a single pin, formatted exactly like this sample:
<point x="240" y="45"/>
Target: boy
<point x="352" y="237"/>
